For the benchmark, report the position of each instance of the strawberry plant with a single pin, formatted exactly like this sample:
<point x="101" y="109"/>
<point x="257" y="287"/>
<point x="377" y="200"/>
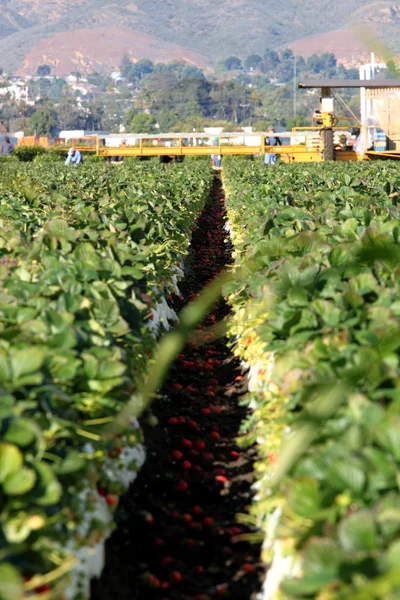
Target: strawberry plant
<point x="315" y="297"/>
<point x="86" y="256"/>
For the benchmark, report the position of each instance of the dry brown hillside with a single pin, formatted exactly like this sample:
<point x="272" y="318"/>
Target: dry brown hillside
<point x="204" y="27"/>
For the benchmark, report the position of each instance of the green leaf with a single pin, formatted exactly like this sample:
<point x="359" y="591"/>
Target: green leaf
<point x="388" y="436"/>
<point x="26" y="361"/>
<point x="348" y="475"/>
<point x="21" y="432"/>
<point x="11" y="587"/>
<point x="357" y="533"/>
<point x="11" y="460"/>
<point x="19" y="483"/>
<point x="72" y="464"/>
<point x="297" y="296"/>
<point x="5" y="368"/>
<point x="304" y="497"/>
<point x="48" y="487"/>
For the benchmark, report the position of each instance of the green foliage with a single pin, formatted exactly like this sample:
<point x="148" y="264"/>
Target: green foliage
<point x="84" y="256"/>
<point x="316" y="292"/>
<point x="42" y="123"/>
<point x="28" y="153"/>
<point x="143" y="123"/>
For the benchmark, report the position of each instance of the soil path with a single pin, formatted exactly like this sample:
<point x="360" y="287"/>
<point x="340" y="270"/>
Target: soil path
<point x="178" y="535"/>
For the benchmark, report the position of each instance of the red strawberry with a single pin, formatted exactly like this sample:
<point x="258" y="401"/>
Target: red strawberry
<point x="158" y="542"/>
<point x="208" y="521"/>
<point x="235" y="455"/>
<point x="173" y="421"/>
<point x="178" y="386"/>
<point x="177" y="454"/>
<point x="221" y="479"/>
<point x="248" y="568"/>
<point x="215" y="435"/>
<point x="205" y="411"/>
<point x="209" y="456"/>
<point x="187" y="518"/>
<point x="187" y="443"/>
<point x="181" y="420"/>
<point x="42" y="589"/>
<point x="197" y="510"/>
<point x="177" y="576"/>
<point x="186" y="465"/>
<point x="235" y="530"/>
<point x="182" y="486"/>
<point x="112" y="499"/>
<point x="199" y="445"/>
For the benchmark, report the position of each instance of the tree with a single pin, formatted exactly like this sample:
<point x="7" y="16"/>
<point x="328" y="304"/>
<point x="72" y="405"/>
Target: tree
<point x="42" y="122"/>
<point x="271" y="59"/>
<point x="253" y="62"/>
<point x="233" y="63"/>
<point x="43" y="70"/>
<point x="143" y="67"/>
<point x="143" y="123"/>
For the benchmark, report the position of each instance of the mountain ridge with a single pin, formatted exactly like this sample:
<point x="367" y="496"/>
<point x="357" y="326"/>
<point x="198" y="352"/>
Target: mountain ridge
<point x="206" y="28"/>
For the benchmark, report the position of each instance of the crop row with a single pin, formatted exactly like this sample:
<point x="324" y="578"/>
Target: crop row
<point x="317" y="317"/>
<point x="86" y="255"/>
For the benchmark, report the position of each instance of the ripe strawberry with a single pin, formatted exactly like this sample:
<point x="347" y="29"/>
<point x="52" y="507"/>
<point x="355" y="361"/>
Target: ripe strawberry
<point x="199" y="445"/>
<point x="197" y="510"/>
<point x="187" y="518"/>
<point x="186" y="465"/>
<point x="199" y="569"/>
<point x="205" y="411"/>
<point x="102" y="491"/>
<point x="208" y="456"/>
<point x="42" y="589"/>
<point x="248" y="568"/>
<point x="187" y="443"/>
<point x="181" y="420"/>
<point x="177" y="576"/>
<point x="197" y="468"/>
<point x="177" y="454"/>
<point x="158" y="542"/>
<point x="208" y="521"/>
<point x="221" y="589"/>
<point x="215" y="435"/>
<point x="235" y="455"/>
<point x="177" y="386"/>
<point x="236" y="531"/>
<point x="221" y="479"/>
<point x="173" y="421"/>
<point x="112" y="499"/>
<point x="182" y="486"/>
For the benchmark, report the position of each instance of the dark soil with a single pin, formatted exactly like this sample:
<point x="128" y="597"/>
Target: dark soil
<point x="178" y="534"/>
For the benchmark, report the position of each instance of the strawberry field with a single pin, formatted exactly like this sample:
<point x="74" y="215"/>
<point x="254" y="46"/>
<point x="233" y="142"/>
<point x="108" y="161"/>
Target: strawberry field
<point x="278" y="422"/>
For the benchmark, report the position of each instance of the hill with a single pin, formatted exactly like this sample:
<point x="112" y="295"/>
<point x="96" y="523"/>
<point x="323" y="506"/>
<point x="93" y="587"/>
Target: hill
<point x="206" y="29"/>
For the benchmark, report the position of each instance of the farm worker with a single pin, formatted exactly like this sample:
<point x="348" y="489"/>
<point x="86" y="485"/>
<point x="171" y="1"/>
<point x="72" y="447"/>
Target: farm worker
<point x="74" y="157"/>
<point x="6" y="147"/>
<point x="271" y="140"/>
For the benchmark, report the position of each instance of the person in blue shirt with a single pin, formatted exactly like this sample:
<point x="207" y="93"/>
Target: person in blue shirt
<point x="271" y="140"/>
<point x="74" y="157"/>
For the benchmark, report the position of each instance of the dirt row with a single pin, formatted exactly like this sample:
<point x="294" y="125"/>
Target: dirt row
<point x="178" y="535"/>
